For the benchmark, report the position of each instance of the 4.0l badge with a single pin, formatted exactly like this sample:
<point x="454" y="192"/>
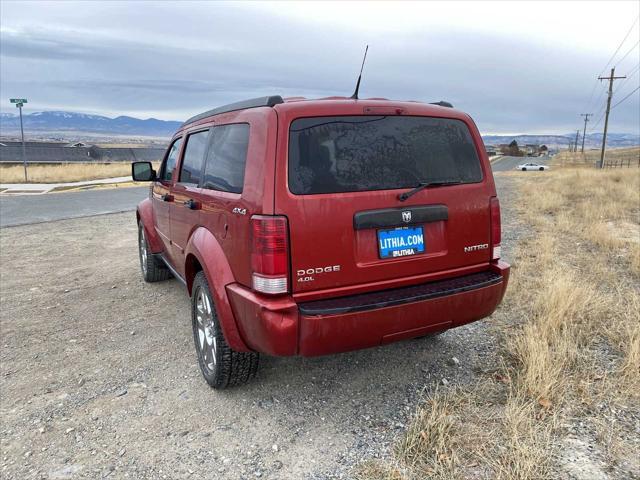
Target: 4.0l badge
<point x="306" y="274"/>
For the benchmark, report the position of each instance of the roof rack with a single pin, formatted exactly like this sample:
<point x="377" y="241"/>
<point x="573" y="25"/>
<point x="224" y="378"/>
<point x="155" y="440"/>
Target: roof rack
<point x="442" y="103"/>
<point x="269" y="101"/>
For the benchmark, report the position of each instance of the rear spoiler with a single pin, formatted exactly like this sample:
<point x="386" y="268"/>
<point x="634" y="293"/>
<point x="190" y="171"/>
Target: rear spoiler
<point x="442" y="103"/>
<point x="269" y="101"/>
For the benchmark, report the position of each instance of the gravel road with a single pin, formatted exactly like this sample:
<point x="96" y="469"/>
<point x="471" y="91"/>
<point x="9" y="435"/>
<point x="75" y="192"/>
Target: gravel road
<point x="99" y="378"/>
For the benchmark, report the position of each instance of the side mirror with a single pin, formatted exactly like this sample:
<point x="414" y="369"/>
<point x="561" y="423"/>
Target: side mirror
<point x="142" y="172"/>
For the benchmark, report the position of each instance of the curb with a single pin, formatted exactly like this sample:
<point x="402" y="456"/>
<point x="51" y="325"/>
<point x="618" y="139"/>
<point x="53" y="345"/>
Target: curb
<point x="42" y="188"/>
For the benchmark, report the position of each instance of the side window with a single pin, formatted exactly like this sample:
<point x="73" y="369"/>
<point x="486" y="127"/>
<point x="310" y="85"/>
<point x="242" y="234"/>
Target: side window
<point x="193" y="157"/>
<point x="170" y="161"/>
<point x="226" y="158"/>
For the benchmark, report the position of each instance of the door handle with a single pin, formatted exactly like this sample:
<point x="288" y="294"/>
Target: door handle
<point x="192" y="204"/>
<point x="166" y="197"/>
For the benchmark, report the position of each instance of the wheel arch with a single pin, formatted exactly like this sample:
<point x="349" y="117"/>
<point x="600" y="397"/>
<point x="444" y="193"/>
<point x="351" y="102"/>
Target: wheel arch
<point x="192" y="266"/>
<point x="218" y="273"/>
<point x="144" y="215"/>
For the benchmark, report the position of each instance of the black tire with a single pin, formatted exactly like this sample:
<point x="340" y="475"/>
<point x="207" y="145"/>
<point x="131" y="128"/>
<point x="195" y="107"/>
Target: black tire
<point x="153" y="269"/>
<point x="221" y="366"/>
<point x="541" y="169"/>
<point x="524" y="169"/>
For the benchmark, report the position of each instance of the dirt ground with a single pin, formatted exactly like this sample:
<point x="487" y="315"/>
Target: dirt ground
<point x="98" y="374"/>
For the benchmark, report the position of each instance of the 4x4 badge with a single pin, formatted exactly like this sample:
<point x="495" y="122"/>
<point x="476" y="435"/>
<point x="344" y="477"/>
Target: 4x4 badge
<point x="406" y="216"/>
<point x="240" y="211"/>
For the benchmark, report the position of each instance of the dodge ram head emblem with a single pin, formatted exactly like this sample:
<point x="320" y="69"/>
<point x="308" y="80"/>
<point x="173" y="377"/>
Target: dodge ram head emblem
<point x="406" y="216"/>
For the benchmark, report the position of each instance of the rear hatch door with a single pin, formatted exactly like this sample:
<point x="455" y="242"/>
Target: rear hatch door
<point x="350" y="232"/>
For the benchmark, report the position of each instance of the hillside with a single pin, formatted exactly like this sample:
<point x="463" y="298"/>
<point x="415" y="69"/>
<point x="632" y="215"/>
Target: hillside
<point x="593" y="140"/>
<point x="72" y="122"/>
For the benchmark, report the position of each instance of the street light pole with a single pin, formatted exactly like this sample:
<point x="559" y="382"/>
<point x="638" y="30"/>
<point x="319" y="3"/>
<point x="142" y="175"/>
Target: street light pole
<point x="24" y="153"/>
<point x="19" y="103"/>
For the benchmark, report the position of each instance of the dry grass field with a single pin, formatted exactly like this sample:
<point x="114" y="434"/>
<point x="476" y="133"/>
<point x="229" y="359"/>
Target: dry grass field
<point x="64" y="172"/>
<point x="614" y="158"/>
<point x="565" y="401"/>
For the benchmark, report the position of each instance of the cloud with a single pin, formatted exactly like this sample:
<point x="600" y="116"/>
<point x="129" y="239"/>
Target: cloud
<point x="25" y="46"/>
<point x="171" y="61"/>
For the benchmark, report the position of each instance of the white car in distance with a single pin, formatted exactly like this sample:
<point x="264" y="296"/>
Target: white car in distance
<point x="532" y="166"/>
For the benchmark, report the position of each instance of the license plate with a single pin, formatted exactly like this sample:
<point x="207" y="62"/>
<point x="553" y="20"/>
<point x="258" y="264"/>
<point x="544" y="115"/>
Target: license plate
<point x="400" y="242"/>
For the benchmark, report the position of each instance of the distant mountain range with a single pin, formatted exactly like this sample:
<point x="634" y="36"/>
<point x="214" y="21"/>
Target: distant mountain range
<point x="593" y="140"/>
<point x="70" y="124"/>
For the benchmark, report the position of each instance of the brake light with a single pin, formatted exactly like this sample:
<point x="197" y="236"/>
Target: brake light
<point x="269" y="254"/>
<point x="496" y="228"/>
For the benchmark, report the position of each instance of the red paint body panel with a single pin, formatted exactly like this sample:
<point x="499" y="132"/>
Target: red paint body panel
<point x="270" y="325"/>
<point x="352" y="331"/>
<point x="183" y="222"/>
<point x="321" y="233"/>
<point x="274" y="325"/>
<point x="326" y="220"/>
<point x="144" y="214"/>
<point x="207" y="251"/>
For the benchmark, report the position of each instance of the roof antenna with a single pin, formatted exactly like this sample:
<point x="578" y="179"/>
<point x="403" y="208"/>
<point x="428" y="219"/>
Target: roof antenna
<point x="355" y="94"/>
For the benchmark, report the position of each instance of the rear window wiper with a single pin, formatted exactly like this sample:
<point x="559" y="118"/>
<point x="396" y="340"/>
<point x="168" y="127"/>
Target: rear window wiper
<point x="421" y="186"/>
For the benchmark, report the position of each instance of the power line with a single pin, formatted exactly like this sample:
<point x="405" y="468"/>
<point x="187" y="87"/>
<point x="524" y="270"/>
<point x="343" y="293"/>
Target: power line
<point x="621" y="43"/>
<point x="634" y="71"/>
<point x="597" y="123"/>
<point x="637" y="65"/>
<point x="600" y="115"/>
<point x="625" y="55"/>
<point x="595" y="83"/>
<point x="629" y="76"/>
<point x="634" y="91"/>
<point x="593" y="90"/>
<point x="602" y="92"/>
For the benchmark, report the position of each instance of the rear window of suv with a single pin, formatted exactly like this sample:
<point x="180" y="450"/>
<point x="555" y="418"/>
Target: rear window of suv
<point x="359" y="153"/>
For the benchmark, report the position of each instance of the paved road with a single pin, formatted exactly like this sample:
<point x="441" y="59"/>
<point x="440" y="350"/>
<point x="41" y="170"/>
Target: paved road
<point x="510" y="163"/>
<point x="26" y="209"/>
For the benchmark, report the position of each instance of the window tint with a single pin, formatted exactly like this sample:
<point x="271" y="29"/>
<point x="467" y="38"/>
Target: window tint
<point x="226" y="159"/>
<point x="170" y="161"/>
<point x="350" y="154"/>
<point x="193" y="157"/>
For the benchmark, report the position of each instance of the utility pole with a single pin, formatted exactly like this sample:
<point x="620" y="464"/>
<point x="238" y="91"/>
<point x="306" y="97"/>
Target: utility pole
<point x="584" y="133"/>
<point x="19" y="103"/>
<point x="611" y="78"/>
<point x="575" y="145"/>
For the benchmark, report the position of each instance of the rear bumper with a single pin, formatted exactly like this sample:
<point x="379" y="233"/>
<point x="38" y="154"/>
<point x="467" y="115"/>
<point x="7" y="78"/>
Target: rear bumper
<point x="280" y="326"/>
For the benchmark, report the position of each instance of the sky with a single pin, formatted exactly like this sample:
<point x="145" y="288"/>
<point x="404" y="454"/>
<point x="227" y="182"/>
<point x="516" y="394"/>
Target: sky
<point x="515" y="67"/>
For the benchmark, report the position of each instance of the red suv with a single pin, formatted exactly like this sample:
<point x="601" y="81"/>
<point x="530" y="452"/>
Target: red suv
<point x="310" y="227"/>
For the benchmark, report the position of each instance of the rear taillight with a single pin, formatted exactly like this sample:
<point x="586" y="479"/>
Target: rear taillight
<point x="269" y="254"/>
<point x="496" y="228"/>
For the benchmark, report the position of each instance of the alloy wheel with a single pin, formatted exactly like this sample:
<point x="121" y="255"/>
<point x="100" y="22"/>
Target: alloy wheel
<point x="206" y="330"/>
<point x="142" y="244"/>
